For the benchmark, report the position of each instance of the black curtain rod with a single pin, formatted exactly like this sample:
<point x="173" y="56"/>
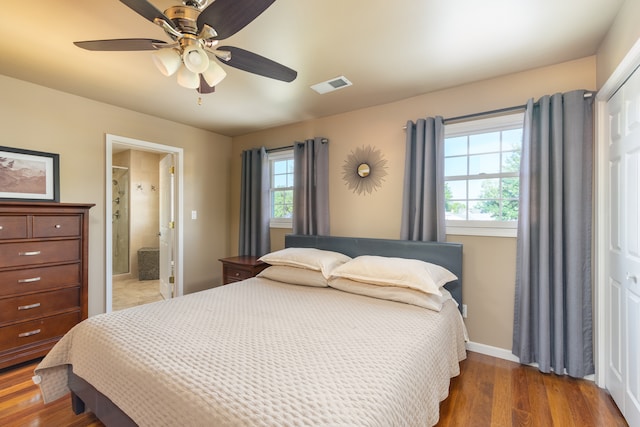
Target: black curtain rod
<point x="484" y="113"/>
<point x="289" y="147"/>
<point x="493" y="112"/>
<point x="481" y="114"/>
<point x="271" y="150"/>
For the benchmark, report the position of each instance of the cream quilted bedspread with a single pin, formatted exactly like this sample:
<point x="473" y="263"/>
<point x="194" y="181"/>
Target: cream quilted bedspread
<point x="263" y="353"/>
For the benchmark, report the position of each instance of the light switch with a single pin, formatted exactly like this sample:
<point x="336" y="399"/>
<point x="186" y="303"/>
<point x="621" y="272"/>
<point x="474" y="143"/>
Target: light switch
<point x="194" y="214"/>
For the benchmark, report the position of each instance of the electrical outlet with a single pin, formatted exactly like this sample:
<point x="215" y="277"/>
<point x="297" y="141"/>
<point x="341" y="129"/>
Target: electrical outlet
<point x="464" y="310"/>
<point x="194" y="214"/>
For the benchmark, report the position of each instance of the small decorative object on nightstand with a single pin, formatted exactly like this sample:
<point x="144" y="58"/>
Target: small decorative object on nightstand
<point x="237" y="268"/>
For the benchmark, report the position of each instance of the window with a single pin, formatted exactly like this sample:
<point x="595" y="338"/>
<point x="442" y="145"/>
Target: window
<point x="281" y="188"/>
<point x="481" y="168"/>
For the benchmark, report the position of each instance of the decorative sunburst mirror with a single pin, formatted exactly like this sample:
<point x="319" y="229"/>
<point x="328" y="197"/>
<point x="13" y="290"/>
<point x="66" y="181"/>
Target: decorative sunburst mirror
<point x="364" y="169"/>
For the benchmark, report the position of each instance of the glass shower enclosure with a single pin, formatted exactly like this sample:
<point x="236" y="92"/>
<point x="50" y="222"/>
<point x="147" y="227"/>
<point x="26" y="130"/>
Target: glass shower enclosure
<point x="120" y="220"/>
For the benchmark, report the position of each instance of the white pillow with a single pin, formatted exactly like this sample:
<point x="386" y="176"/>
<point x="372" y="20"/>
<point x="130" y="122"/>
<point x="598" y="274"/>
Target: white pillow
<point x="311" y="258"/>
<point x="294" y="276"/>
<point x="393" y="293"/>
<point x="402" y="272"/>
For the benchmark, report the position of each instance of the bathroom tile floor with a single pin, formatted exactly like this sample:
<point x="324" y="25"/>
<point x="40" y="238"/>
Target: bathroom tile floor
<point x="132" y="292"/>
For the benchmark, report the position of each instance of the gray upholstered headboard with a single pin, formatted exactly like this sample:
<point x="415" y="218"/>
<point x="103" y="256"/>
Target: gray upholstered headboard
<point x="448" y="255"/>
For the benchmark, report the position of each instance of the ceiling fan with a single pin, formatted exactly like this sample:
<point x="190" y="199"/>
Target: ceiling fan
<point x="196" y="28"/>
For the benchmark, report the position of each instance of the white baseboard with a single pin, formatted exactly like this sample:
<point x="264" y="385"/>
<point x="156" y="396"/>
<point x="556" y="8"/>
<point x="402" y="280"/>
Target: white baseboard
<point x="502" y="353"/>
<point x="489" y="350"/>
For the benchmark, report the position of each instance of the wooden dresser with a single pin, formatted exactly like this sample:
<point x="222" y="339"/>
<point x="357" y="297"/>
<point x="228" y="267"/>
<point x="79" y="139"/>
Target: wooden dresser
<point x="237" y="268"/>
<point x="43" y="276"/>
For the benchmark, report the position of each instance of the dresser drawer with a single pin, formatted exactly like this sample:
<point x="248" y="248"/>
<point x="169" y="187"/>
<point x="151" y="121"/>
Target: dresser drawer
<point x="37" y="330"/>
<point x="38" y="279"/>
<point x="38" y="305"/>
<point x="56" y="226"/>
<point x="13" y="227"/>
<point x="34" y="253"/>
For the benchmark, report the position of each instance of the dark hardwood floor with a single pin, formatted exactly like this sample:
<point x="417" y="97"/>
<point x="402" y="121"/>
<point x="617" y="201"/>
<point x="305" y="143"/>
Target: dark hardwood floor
<point x="489" y="392"/>
<point x="495" y="392"/>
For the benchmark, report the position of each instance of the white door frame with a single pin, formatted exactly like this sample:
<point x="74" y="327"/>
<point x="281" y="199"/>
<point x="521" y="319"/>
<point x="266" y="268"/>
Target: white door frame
<point x="624" y="70"/>
<point x="136" y="144"/>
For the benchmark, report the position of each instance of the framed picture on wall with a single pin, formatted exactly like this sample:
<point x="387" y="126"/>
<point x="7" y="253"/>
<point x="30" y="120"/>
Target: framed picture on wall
<point x="29" y="175"/>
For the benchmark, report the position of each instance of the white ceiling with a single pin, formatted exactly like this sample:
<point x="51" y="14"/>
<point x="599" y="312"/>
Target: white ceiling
<point x="390" y="50"/>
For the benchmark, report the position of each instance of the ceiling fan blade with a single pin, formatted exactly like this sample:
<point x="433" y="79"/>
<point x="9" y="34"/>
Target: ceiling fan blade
<point x="256" y="64"/>
<point x="121" y="44"/>
<point x="228" y="17"/>
<point x="148" y="11"/>
<point x="204" y="86"/>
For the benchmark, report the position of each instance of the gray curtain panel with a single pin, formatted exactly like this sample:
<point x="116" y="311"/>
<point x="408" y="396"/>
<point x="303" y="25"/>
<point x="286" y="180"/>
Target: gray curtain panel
<point x="254" y="204"/>
<point x="311" y="187"/>
<point x="553" y="312"/>
<point x="423" y="195"/>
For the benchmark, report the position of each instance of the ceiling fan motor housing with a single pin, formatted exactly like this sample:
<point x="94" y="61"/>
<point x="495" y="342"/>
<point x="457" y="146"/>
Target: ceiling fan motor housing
<point x="184" y="17"/>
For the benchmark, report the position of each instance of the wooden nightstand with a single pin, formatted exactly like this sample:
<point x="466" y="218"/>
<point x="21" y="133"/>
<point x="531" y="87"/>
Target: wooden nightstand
<point x="237" y="268"/>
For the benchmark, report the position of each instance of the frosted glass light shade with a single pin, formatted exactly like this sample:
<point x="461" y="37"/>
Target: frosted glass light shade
<point x="167" y="60"/>
<point x="188" y="79"/>
<point x="195" y="59"/>
<point x="214" y="74"/>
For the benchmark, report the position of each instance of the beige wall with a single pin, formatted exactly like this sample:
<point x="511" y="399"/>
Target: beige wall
<point x="38" y="118"/>
<point x="489" y="263"/>
<point x="144" y="208"/>
<point x="622" y="35"/>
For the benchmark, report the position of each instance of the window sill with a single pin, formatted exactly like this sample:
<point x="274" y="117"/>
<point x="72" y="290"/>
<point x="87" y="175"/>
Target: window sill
<point x="482" y="231"/>
<point x="281" y="223"/>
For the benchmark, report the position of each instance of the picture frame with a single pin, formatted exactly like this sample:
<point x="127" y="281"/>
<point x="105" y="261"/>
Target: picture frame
<point x="27" y="175"/>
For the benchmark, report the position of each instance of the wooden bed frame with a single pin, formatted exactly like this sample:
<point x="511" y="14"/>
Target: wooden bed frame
<point x="449" y="255"/>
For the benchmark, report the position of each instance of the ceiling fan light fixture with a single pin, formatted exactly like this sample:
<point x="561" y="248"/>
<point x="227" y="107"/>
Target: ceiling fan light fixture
<point x="214" y="74"/>
<point x="167" y="60"/>
<point x="195" y="59"/>
<point x="188" y="79"/>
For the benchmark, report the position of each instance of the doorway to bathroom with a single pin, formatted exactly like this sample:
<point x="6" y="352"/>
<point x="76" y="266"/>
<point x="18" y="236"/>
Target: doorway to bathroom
<point x="143" y="254"/>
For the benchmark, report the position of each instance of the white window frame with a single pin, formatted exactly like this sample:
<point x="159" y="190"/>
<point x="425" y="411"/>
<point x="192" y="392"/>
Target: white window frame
<point x="271" y="157"/>
<point x="491" y="124"/>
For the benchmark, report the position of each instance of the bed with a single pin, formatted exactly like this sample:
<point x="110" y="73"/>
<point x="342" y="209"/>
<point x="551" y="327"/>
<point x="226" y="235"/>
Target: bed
<point x="269" y="353"/>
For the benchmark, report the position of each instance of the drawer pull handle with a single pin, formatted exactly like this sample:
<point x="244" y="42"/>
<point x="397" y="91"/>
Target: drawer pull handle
<point x="1" y="227"/>
<point x="57" y="226"/>
<point x="28" y="334"/>
<point x="28" y="307"/>
<point x="237" y="274"/>
<point x="32" y="253"/>
<point x="29" y="280"/>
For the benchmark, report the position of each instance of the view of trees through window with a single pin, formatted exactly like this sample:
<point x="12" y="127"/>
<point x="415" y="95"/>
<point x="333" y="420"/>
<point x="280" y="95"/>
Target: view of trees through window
<point x="482" y="176"/>
<point x="281" y="187"/>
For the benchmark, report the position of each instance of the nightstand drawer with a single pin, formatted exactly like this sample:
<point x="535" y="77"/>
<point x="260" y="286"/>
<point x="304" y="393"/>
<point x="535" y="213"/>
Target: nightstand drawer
<point x="234" y="273"/>
<point x="37" y="330"/>
<point x="33" y="253"/>
<point x="235" y="269"/>
<point x="38" y="305"/>
<point x="38" y="279"/>
<point x="13" y="227"/>
<point x="56" y="226"/>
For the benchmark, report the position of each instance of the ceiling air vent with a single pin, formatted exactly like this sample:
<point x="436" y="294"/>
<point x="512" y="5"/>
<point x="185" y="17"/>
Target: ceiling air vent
<point x="331" y="85"/>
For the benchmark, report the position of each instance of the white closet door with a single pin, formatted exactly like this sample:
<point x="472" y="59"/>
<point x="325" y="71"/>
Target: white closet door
<point x="623" y="284"/>
<point x="167" y="226"/>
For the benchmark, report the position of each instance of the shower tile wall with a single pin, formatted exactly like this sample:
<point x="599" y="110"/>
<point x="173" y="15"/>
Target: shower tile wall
<point x="144" y="201"/>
